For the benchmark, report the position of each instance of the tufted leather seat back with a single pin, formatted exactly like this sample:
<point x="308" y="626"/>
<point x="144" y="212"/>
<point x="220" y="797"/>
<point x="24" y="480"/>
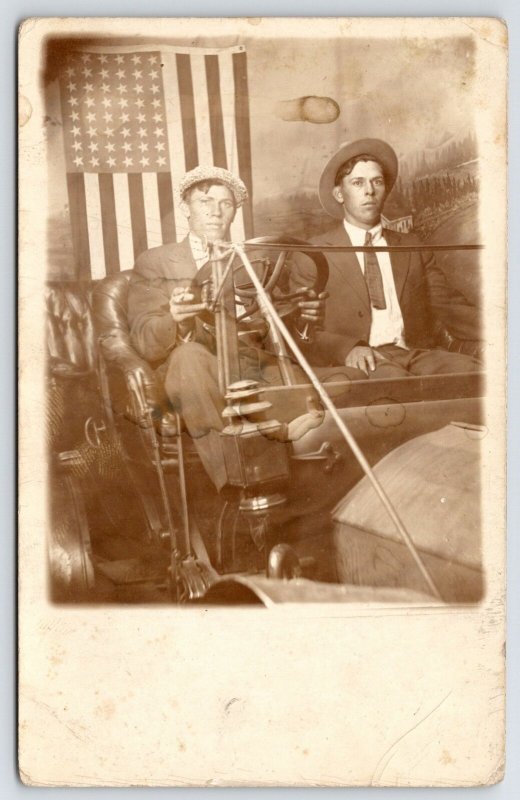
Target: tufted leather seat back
<point x="71" y="338"/>
<point x="110" y="315"/>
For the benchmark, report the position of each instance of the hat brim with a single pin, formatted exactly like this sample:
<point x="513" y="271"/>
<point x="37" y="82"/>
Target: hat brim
<point x="381" y="151"/>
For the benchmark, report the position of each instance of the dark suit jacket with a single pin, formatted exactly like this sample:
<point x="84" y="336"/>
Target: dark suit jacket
<point x="424" y="296"/>
<point x="156" y="273"/>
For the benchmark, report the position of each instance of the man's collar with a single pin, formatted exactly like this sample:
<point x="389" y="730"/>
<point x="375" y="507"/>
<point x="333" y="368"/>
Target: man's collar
<point x="357" y="235"/>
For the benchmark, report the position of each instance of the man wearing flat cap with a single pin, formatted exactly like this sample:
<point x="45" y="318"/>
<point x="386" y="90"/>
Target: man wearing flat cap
<point x="165" y="323"/>
<point x="383" y="307"/>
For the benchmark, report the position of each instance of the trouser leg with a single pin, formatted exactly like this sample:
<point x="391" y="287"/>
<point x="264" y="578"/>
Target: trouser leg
<point x="441" y="362"/>
<point x="399" y="362"/>
<point x="191" y="384"/>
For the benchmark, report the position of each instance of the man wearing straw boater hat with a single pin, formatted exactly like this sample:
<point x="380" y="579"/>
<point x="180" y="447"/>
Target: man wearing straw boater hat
<point x="383" y="306"/>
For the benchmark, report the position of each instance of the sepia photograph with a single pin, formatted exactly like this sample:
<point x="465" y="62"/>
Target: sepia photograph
<point x="262" y="307"/>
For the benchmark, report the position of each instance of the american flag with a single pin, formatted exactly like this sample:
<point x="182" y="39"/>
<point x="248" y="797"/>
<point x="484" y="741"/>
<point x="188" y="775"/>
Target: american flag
<point x="134" y="121"/>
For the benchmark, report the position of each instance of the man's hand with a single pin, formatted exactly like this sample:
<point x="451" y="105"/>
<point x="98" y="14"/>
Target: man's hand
<point x="313" y="309"/>
<point x="364" y="358"/>
<point x="183" y="309"/>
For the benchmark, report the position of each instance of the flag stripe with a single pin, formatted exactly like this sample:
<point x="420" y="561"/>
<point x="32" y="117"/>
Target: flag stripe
<point x="164" y="188"/>
<point x="175" y="138"/>
<point x="151" y="210"/>
<point x="201" y="105"/>
<point x="189" y="130"/>
<point x="227" y="82"/>
<point x="216" y="122"/>
<point x="135" y="189"/>
<point x="109" y="222"/>
<point x="124" y="220"/>
<point x="78" y="223"/>
<point x="95" y="228"/>
<point x="243" y="135"/>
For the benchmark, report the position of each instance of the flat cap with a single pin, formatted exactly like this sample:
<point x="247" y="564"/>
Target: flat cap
<point x="210" y="173"/>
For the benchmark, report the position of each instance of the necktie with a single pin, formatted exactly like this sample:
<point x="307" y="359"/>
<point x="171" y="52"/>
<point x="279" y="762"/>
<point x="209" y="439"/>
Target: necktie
<point x="373" y="277"/>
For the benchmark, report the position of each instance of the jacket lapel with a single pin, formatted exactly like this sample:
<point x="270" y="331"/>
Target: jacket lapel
<point x="181" y="258"/>
<point x="400" y="261"/>
<point x="346" y="265"/>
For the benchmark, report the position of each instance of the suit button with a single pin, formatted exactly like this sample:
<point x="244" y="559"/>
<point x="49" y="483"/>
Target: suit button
<point x="360" y="313"/>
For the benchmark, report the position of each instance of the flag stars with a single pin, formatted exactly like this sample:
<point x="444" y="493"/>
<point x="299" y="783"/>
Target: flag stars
<point x="74" y="116"/>
<point x="76" y="131"/>
<point x="124" y="117"/>
<point x="86" y="57"/>
<point x="128" y="162"/>
<point x="107" y="116"/>
<point x="108" y="132"/>
<point x="141" y="117"/>
<point x="86" y="72"/>
<point x="71" y="87"/>
<point x="127" y="147"/>
<point x="77" y="146"/>
<point x="78" y="161"/>
<point x="104" y="74"/>
<point x="122" y="102"/>
<point x="154" y="88"/>
<point x="105" y="88"/>
<point x="143" y="147"/>
<point x="142" y="132"/>
<point x="161" y="161"/>
<point x="106" y="102"/>
<point x="93" y="147"/>
<point x="89" y="87"/>
<point x="89" y="102"/>
<point x="159" y="146"/>
<point x="138" y="89"/>
<point x="154" y="74"/>
<point x="137" y="73"/>
<point x="156" y="103"/>
<point x="159" y="132"/>
<point x="73" y="101"/>
<point x="94" y="161"/>
<point x="103" y="58"/>
<point x="136" y="59"/>
<point x="122" y="88"/>
<point x="152" y="59"/>
<point x="120" y="74"/>
<point x="125" y="132"/>
<point x="144" y="161"/>
<point x="70" y="71"/>
<point x="91" y="117"/>
<point x="110" y="146"/>
<point x="157" y="117"/>
<point x="92" y="131"/>
<point x="120" y="59"/>
<point x="111" y="161"/>
<point x="139" y="102"/>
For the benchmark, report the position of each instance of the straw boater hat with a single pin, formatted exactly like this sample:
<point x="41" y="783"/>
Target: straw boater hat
<point x="381" y="151"/>
<point x="210" y="173"/>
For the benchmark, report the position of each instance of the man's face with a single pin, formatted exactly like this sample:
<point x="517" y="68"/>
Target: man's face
<point x="211" y="213"/>
<point x="362" y="194"/>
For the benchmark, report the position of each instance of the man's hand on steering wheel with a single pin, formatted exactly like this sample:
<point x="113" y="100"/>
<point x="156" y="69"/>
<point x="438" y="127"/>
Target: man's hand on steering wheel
<point x="312" y="309"/>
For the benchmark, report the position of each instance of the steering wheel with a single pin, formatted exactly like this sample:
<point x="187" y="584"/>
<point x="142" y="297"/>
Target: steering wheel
<point x="274" y="277"/>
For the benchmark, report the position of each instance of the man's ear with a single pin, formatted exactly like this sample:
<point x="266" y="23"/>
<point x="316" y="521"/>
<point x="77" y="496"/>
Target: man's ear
<point x="337" y="194"/>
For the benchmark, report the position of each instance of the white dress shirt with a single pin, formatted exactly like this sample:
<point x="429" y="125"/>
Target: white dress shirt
<point x="387" y="323"/>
